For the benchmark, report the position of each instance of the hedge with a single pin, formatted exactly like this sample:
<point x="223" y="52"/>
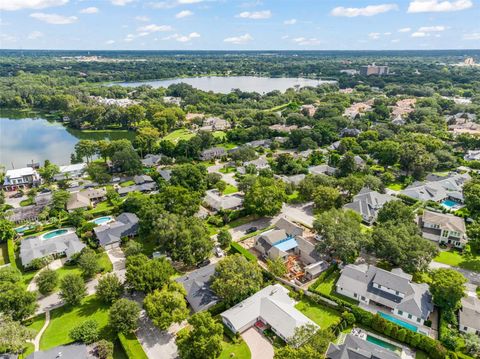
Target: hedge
<point x="235" y="247"/>
<point x="11" y="252"/>
<point x="131" y="346"/>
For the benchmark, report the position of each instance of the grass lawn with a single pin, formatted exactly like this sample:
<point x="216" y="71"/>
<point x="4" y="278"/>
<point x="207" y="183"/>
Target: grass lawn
<point x="65" y="318"/>
<point x="220" y="134"/>
<point x="293" y="198"/>
<point x="396" y="186"/>
<point x="230" y="189"/>
<point x="227" y="169"/>
<point x="323" y="316"/>
<point x="228" y="145"/>
<point x="36" y="323"/>
<point x="328" y="287"/>
<point x="3" y="253"/>
<point x="132" y="347"/>
<point x="277" y="108"/>
<point x="238" y="350"/>
<point x="30" y="348"/>
<point x="127" y="183"/>
<point x="26" y="202"/>
<point x="104" y="262"/>
<point x="464" y="260"/>
<point x="100" y="207"/>
<point x="177" y="135"/>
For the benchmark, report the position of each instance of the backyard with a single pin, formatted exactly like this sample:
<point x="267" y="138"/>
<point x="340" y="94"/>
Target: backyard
<point x="323" y="316"/>
<point x="465" y="260"/>
<point x="326" y="286"/>
<point x="237" y="350"/>
<point x="177" y="135"/>
<point x="229" y="189"/>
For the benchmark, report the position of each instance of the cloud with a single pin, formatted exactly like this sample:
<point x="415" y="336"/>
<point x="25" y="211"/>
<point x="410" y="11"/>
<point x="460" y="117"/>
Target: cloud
<point x="142" y="18"/>
<point x="290" y="22"/>
<point x="54" y="19"/>
<point x="121" y="2"/>
<point x="173" y="3"/>
<point x="472" y="36"/>
<point x="7" y="38"/>
<point x="129" y="38"/>
<point x="405" y="29"/>
<point x="12" y="5"/>
<point x="303" y="41"/>
<point x="425" y="31"/>
<point x="148" y="29"/>
<point x="184" y="13"/>
<point x="89" y="10"/>
<point x="369" y="10"/>
<point x="109" y="42"/>
<point x="374" y="35"/>
<point x="239" y="40"/>
<point x="183" y="38"/>
<point x="417" y="6"/>
<point x="35" y="35"/>
<point x="255" y="15"/>
<point x="395" y="41"/>
<point x="419" y="34"/>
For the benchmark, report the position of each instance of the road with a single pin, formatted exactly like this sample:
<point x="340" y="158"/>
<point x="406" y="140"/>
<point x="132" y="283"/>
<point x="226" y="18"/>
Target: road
<point x="472" y="277"/>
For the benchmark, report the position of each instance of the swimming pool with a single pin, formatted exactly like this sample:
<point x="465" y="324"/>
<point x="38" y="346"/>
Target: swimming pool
<point x="23" y="228"/>
<point x="449" y="204"/>
<point x="409" y="326"/>
<point x="383" y="344"/>
<point x="102" y="220"/>
<point x="55" y="233"/>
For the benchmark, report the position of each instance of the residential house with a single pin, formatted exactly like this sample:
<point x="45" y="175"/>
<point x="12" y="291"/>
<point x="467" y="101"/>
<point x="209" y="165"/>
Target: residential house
<point x="215" y="124"/>
<point x="469" y="315"/>
<point x="368" y="203"/>
<point x="63" y="242"/>
<point x="165" y="173"/>
<point x="43" y="199"/>
<point x="461" y="123"/>
<point x="197" y="285"/>
<point x="321" y="170"/>
<point x="74" y="171"/>
<point x="443" y="228"/>
<point x="111" y="234"/>
<point x="403" y="107"/>
<point x="194" y="116"/>
<point x="259" y="143"/>
<point x="152" y="160"/>
<point x="350" y="132"/>
<point x="172" y="100"/>
<point x="358" y="108"/>
<point x="259" y="164"/>
<point x="472" y="155"/>
<point x="283" y="128"/>
<point x="71" y="351"/>
<point x="294" y="179"/>
<point x="217" y="201"/>
<point x="314" y="270"/>
<point x="21" y="178"/>
<point x="271" y="306"/>
<point x="140" y="186"/>
<point x="393" y="292"/>
<point x="308" y="110"/>
<point x="438" y="189"/>
<point x="398" y="121"/>
<point x="355" y="347"/>
<point x="212" y="153"/>
<point x="24" y="214"/>
<point x="359" y="161"/>
<point x="85" y="199"/>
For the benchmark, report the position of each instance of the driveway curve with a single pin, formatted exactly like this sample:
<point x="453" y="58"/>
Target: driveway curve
<point x="260" y="347"/>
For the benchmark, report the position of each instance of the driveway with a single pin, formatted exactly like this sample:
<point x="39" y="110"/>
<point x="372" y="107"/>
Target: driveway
<point x="259" y="346"/>
<point x="472" y="277"/>
<point x="239" y="232"/>
<point x="301" y="213"/>
<point x="117" y="257"/>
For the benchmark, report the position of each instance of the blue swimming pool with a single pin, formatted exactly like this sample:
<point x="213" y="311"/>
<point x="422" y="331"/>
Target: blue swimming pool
<point x="384" y="344"/>
<point x="23" y="228"/>
<point x="397" y="321"/>
<point x="450" y="204"/>
<point x="102" y="220"/>
<point x="55" y="233"/>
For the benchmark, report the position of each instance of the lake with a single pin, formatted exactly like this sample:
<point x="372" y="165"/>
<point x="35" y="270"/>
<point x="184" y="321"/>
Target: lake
<point x="226" y="84"/>
<point x="27" y="139"/>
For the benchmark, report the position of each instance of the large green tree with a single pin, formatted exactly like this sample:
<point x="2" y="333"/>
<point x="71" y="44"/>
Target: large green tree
<point x="72" y="289"/>
<point x="124" y="315"/>
<point x="146" y="275"/>
<point x="13" y="335"/>
<point x="166" y="306"/>
<point x="265" y="197"/>
<point x="16" y="301"/>
<point x="109" y="288"/>
<point x="447" y="288"/>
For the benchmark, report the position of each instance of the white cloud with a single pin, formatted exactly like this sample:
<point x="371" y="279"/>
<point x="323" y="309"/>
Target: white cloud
<point x="387" y="33"/>
<point x="419" y="34"/>
<point x="173" y="3"/>
<point x="109" y="42"/>
<point x="395" y="41"/>
<point x="148" y="29"/>
<point x="432" y="28"/>
<point x="121" y="2"/>
<point x="184" y="13"/>
<point x="89" y="10"/>
<point x="374" y="35"/>
<point x="472" y="36"/>
<point x="303" y="41"/>
<point x="12" y="5"/>
<point x="183" y="38"/>
<point x="239" y="40"/>
<point x="369" y="10"/>
<point x="54" y="19"/>
<point x="417" y="6"/>
<point x="129" y="38"/>
<point x="290" y="22"/>
<point x="35" y="35"/>
<point x="142" y="18"/>
<point x="405" y="29"/>
<point x="255" y="15"/>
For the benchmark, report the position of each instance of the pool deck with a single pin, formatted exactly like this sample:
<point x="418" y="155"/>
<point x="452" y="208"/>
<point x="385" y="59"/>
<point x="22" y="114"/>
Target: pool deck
<point x="68" y="230"/>
<point x="407" y="353"/>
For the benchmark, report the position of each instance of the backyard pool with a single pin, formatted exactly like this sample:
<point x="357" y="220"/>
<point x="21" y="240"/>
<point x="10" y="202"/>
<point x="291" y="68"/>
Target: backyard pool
<point x="102" y="220"/>
<point x="23" y="228"/>
<point x="383" y="344"/>
<point x="449" y="204"/>
<point x="409" y="326"/>
<point x="55" y="233"/>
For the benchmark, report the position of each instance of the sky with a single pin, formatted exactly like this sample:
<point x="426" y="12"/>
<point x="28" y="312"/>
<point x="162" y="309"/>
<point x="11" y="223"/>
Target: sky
<point x="239" y="24"/>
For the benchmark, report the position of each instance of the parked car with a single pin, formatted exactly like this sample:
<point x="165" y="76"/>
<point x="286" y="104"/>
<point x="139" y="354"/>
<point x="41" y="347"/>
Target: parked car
<point x="219" y="252"/>
<point x="205" y="263"/>
<point x="251" y="230"/>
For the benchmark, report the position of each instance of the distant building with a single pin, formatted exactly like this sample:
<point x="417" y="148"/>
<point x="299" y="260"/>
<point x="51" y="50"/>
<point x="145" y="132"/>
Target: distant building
<point x="152" y="160"/>
<point x="86" y="198"/>
<point x="374" y="70"/>
<point x="214" y="124"/>
<point x="259" y="143"/>
<point x="443" y="228"/>
<point x="111" y="234"/>
<point x="259" y="164"/>
<point x="283" y="128"/>
<point x="438" y="189"/>
<point x="21" y="178"/>
<point x="368" y="203"/>
<point x="212" y="153"/>
<point x="308" y="110"/>
<point x="322" y="170"/>
<point x="70" y="171"/>
<point x="217" y="202"/>
<point x="172" y="100"/>
<point x="469" y="316"/>
<point x="294" y="179"/>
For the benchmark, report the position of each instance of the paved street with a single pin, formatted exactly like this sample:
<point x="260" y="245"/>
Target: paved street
<point x="301" y="213"/>
<point x="472" y="277"/>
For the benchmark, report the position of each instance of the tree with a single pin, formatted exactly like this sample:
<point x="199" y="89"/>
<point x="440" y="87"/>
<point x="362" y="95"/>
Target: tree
<point x="6" y="230"/>
<point x="104" y="349"/>
<point x="346" y="165"/>
<point x="16" y="301"/>
<point x="85" y="149"/>
<point x="72" y="289"/>
<point x="473" y="233"/>
<point x="224" y="238"/>
<point x="265" y="197"/>
<point x="146" y="275"/>
<point x="109" y="288"/>
<point x="472" y="344"/>
<point x="180" y="200"/>
<point x="123" y="317"/>
<point x="86" y="332"/>
<point x="471" y="192"/>
<point x="203" y="341"/>
<point x="166" y="306"/>
<point x="193" y="177"/>
<point x="447" y="288"/>
<point x="132" y="248"/>
<point x="13" y="335"/>
<point x="340" y="234"/>
<point x="326" y="198"/>
<point x="98" y="172"/>
<point x="60" y="199"/>
<point x="236" y="278"/>
<point x="127" y="161"/>
<point x="305" y="352"/>
<point x="48" y="171"/>
<point x="395" y="211"/>
<point x="277" y="267"/>
<point x="386" y="152"/>
<point x="10" y="274"/>
<point x="88" y="263"/>
<point x="47" y="281"/>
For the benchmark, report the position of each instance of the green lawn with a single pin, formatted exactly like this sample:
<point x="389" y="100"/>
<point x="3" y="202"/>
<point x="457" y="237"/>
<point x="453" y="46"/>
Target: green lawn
<point x="465" y="260"/>
<point x="132" y="347"/>
<point x="327" y="287"/>
<point x="101" y="207"/>
<point x="220" y="134"/>
<point x="177" y="135"/>
<point x="227" y="169"/>
<point x="421" y="355"/>
<point x="228" y="145"/>
<point x="230" y="189"/>
<point x="127" y="183"/>
<point x="3" y="253"/>
<point x="26" y="202"/>
<point x="238" y="350"/>
<point x="30" y="348"/>
<point x="323" y="316"/>
<point x="396" y="186"/>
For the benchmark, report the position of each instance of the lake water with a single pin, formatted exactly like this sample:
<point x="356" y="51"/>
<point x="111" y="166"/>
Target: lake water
<point x="23" y="140"/>
<point x="226" y="84"/>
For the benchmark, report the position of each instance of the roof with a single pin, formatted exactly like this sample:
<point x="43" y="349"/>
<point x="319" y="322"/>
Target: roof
<point x="469" y="314"/>
<point x="151" y="160"/>
<point x="72" y="351"/>
<point x="321" y="170"/>
<point x="165" y="174"/>
<point x="316" y="268"/>
<point x="357" y="348"/>
<point x="20" y="172"/>
<point x="197" y="285"/>
<point x="368" y="203"/>
<point x="290" y="228"/>
<point x="445" y="221"/>
<point x="77" y="200"/>
<point x="72" y="168"/>
<point x="142" y="179"/>
<point x="273" y="305"/>
<point x="286" y="244"/>
<point x="218" y="201"/>
<point x="360" y="278"/>
<point x="126" y="224"/>
<point x="438" y="189"/>
<point x="144" y="187"/>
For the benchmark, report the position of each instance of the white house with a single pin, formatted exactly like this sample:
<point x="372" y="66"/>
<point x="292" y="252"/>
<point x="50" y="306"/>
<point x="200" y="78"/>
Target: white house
<point x="20" y="178"/>
<point x="469" y="316"/>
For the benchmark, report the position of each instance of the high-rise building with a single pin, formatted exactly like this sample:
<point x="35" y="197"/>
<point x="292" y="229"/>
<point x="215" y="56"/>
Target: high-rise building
<point x="374" y="70"/>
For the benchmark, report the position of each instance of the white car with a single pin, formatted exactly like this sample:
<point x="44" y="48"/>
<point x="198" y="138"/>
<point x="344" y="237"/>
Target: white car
<point x="219" y="252"/>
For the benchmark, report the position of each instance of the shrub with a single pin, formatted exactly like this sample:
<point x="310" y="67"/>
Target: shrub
<point x="237" y="248"/>
<point x="109" y="288"/>
<point x="87" y="332"/>
<point x="104" y="349"/>
<point x="39" y="263"/>
<point x="349" y="317"/>
<point x="11" y="252"/>
<point x="47" y="281"/>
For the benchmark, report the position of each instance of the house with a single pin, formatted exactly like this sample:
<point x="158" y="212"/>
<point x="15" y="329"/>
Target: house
<point x="443" y="228"/>
<point x="472" y="155"/>
<point x="314" y="270"/>
<point x="368" y="203"/>
<point x="438" y="189"/>
<point x="24" y="214"/>
<point x="294" y="179"/>
<point x="259" y="164"/>
<point x="165" y="174"/>
<point x="211" y="153"/>
<point x="469" y="315"/>
<point x="321" y="170"/>
<point x="215" y="124"/>
<point x="74" y="171"/>
<point x="71" y="351"/>
<point x="308" y="110"/>
<point x="197" y="285"/>
<point x="217" y="202"/>
<point x="355" y="347"/>
<point x="141" y="179"/>
<point x="283" y="128"/>
<point x="111" y="234"/>
<point x="21" y="178"/>
<point x="403" y="107"/>
<point x="152" y="160"/>
<point x="259" y="143"/>
<point x="373" y="69"/>
<point x="359" y="161"/>
<point x="271" y="306"/>
<point x="398" y="121"/>
<point x="86" y="198"/>
<point x="58" y="243"/>
<point x="172" y="100"/>
<point x="144" y="187"/>
<point x="392" y="291"/>
<point x="350" y="132"/>
<point x="358" y="108"/>
<point x="43" y="199"/>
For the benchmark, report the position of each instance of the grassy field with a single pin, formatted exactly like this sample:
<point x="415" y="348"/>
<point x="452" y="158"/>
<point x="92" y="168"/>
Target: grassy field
<point x="230" y="189"/>
<point x="323" y="316"/>
<point x="100" y="207"/>
<point x="396" y="186"/>
<point x="127" y="183"/>
<point x="26" y="202"/>
<point x="177" y="135"/>
<point x="328" y="287"/>
<point x="464" y="260"/>
<point x="234" y="350"/>
<point x="132" y="347"/>
<point x="220" y="134"/>
<point x="3" y="253"/>
<point x="36" y="323"/>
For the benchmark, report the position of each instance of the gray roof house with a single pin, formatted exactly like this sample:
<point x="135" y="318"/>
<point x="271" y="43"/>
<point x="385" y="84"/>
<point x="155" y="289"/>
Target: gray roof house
<point x="143" y="184"/>
<point x="141" y="179"/>
<point x="393" y="291"/>
<point x="110" y="235"/>
<point x="469" y="315"/>
<point x="152" y="160"/>
<point x="216" y="201"/>
<point x="197" y="285"/>
<point x="355" y="347"/>
<point x="259" y="164"/>
<point x="165" y="173"/>
<point x="368" y="203"/>
<point x="439" y="189"/>
<point x="443" y="228"/>
<point x="322" y="170"/>
<point x="64" y="244"/>
<point x="294" y="179"/>
<point x="211" y="153"/>
<point x="273" y="306"/>
<point x="71" y="351"/>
